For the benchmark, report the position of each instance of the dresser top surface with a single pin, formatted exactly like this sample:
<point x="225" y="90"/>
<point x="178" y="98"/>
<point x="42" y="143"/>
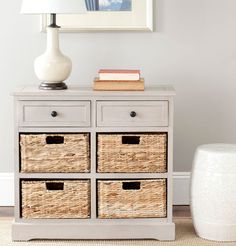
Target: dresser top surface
<point x="161" y="90"/>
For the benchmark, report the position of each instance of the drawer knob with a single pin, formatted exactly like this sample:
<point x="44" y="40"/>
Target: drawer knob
<point x="133" y="114"/>
<point x="54" y="114"/>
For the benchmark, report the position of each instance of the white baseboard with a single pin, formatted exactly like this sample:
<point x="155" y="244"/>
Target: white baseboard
<point x="181" y="188"/>
<point x="7" y="189"/>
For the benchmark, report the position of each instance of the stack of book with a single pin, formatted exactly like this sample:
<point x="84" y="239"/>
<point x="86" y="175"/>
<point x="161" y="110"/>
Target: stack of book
<point x="118" y="80"/>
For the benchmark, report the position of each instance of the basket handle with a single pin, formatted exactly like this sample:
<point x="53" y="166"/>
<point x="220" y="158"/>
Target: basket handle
<point x="130" y="139"/>
<point x="131" y="185"/>
<point x="55" y="140"/>
<point x="55" y="186"/>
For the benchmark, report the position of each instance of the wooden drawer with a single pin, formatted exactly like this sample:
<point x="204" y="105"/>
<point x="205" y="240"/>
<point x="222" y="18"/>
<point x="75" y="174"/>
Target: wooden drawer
<point x="132" y="113"/>
<point x="55" y="199"/>
<point x="54" y="113"/>
<point x="132" y="153"/>
<point x="132" y="199"/>
<point x="55" y="153"/>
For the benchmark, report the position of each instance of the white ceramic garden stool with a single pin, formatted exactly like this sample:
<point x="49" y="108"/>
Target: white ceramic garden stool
<point x="213" y="192"/>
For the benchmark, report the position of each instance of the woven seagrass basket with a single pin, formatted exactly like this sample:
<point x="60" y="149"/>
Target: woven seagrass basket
<point x="55" y="199"/>
<point x="123" y="153"/>
<point x="55" y="153"/>
<point x="132" y="199"/>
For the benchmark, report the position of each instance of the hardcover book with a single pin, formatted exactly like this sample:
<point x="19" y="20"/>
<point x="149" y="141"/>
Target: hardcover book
<point x="119" y="74"/>
<point x="99" y="85"/>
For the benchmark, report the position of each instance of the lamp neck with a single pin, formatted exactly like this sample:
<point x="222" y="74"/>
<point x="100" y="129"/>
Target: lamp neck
<point x="53" y="20"/>
<point x="53" y="40"/>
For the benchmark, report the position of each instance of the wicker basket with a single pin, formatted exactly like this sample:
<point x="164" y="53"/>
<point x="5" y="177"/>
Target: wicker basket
<point x="55" y="199"/>
<point x="55" y="153"/>
<point x="132" y="199"/>
<point x="123" y="153"/>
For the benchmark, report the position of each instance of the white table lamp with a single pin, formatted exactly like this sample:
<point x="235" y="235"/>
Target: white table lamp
<point x="52" y="68"/>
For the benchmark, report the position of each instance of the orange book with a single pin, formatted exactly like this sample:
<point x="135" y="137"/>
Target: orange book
<point x="119" y="74"/>
<point x="99" y="85"/>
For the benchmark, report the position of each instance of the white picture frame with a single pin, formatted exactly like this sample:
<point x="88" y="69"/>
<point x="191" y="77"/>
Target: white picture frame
<point x="139" y="19"/>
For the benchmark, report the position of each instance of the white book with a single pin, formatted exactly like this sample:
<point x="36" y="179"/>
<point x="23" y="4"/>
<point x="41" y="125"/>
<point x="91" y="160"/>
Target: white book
<point x="116" y="74"/>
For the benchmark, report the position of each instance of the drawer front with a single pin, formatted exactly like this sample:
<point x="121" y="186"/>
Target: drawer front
<point x="55" y="153"/>
<point x="132" y="113"/>
<point x="55" y="199"/>
<point x="132" y="199"/>
<point x="132" y="153"/>
<point x="54" y="113"/>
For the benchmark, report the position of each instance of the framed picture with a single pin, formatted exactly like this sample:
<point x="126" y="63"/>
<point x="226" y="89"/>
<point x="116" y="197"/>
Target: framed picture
<point x="105" y="15"/>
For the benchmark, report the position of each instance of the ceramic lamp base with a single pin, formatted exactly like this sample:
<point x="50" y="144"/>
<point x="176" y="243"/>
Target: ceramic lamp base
<point x="52" y="67"/>
<point x="53" y="86"/>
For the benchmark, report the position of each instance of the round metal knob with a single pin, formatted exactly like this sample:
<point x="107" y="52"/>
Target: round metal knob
<point x="133" y="114"/>
<point x="54" y="114"/>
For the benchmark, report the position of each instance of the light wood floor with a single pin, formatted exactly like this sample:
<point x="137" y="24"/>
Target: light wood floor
<point x="179" y="211"/>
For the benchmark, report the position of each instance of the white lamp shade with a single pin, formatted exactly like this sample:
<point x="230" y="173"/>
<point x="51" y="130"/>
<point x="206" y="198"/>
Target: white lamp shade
<point x="53" y="6"/>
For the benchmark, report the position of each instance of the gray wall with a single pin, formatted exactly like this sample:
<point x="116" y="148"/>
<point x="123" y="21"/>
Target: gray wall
<point x="194" y="49"/>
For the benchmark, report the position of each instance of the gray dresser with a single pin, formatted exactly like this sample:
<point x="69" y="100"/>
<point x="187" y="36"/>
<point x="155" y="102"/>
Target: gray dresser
<point x="93" y="165"/>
